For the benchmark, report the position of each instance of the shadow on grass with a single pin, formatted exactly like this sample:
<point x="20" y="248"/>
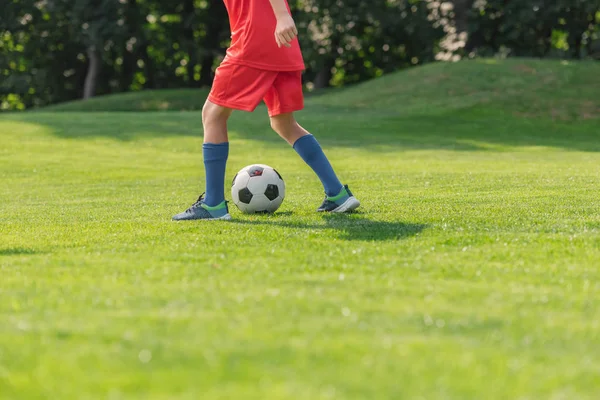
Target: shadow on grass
<point x="347" y="227"/>
<point x="467" y="129"/>
<point x="16" y="251"/>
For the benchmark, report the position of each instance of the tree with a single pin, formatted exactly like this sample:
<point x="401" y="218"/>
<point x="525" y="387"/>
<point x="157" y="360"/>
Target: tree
<point x="533" y="28"/>
<point x="215" y="35"/>
<point x="351" y="40"/>
<point x="96" y="24"/>
<point x="59" y="50"/>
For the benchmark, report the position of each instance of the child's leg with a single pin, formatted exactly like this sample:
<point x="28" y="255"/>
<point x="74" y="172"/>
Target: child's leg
<point x="286" y="126"/>
<point x="215" y="151"/>
<point x="309" y="149"/>
<point x="214" y="121"/>
<point x="235" y="87"/>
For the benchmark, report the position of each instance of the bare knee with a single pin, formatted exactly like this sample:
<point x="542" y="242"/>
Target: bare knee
<point x="283" y="124"/>
<point x="214" y="121"/>
<point x="286" y="126"/>
<point x="214" y="114"/>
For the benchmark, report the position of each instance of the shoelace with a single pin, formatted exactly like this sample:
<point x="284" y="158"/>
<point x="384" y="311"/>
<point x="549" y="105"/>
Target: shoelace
<point x="197" y="203"/>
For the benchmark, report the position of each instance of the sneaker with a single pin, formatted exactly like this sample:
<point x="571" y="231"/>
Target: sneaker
<point x="199" y="210"/>
<point x="343" y="202"/>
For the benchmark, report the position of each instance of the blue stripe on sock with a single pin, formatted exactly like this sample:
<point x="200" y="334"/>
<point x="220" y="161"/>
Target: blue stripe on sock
<point x="215" y="162"/>
<point x="311" y="152"/>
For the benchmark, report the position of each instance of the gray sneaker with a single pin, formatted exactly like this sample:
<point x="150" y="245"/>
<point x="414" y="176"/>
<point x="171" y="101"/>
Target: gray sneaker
<point x="342" y="203"/>
<point x="199" y="210"/>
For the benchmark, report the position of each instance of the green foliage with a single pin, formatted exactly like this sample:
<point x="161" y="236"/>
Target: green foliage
<point x="32" y="45"/>
<point x="152" y="44"/>
<point x="534" y="28"/>
<point x="143" y="44"/>
<point x="94" y="22"/>
<point x="353" y="40"/>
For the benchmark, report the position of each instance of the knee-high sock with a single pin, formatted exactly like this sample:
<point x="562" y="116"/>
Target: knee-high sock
<point x="311" y="152"/>
<point x="215" y="162"/>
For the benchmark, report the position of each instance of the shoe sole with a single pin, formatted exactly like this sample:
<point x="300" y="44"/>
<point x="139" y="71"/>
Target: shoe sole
<point x="226" y="217"/>
<point x="349" y="205"/>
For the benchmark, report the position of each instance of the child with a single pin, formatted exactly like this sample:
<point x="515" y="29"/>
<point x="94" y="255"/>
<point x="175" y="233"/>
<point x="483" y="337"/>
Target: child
<point x="263" y="62"/>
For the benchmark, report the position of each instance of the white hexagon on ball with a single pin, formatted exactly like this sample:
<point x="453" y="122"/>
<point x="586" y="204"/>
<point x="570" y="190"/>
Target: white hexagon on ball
<point x="258" y="184"/>
<point x="260" y="203"/>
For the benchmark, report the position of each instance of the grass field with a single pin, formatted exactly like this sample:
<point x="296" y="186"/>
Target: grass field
<point x="472" y="271"/>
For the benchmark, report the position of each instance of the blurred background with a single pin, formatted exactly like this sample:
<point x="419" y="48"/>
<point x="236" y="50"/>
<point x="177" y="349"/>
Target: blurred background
<point x="54" y="51"/>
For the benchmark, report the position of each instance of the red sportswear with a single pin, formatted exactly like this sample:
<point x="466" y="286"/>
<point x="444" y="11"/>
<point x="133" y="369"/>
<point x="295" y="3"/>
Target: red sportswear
<point x="252" y="24"/>
<point x="255" y="69"/>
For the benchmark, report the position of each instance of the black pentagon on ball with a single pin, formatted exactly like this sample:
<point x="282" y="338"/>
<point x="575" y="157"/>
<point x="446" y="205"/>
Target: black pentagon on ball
<point x="255" y="170"/>
<point x="272" y="192"/>
<point x="245" y="195"/>
<point x="234" y="178"/>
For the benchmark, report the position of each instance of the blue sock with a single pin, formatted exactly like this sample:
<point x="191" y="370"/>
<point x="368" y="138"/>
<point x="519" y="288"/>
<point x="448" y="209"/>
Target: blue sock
<point x="215" y="161"/>
<point x="311" y="152"/>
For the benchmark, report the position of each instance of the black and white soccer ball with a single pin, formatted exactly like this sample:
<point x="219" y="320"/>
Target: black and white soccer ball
<point x="258" y="188"/>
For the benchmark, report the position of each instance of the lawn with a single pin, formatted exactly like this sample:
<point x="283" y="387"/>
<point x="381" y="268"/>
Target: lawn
<point x="472" y="270"/>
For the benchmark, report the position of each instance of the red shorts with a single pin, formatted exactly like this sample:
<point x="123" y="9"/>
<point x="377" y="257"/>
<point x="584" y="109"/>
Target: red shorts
<point x="243" y="88"/>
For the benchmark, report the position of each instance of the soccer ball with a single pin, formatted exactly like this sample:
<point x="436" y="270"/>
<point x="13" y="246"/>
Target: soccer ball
<point x="258" y="188"/>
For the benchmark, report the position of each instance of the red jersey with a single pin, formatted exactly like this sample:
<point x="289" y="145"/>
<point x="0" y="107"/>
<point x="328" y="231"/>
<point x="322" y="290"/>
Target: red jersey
<point x="253" y="44"/>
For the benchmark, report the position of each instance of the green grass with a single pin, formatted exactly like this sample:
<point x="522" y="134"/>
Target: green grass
<point x="471" y="272"/>
<point x="149" y="100"/>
